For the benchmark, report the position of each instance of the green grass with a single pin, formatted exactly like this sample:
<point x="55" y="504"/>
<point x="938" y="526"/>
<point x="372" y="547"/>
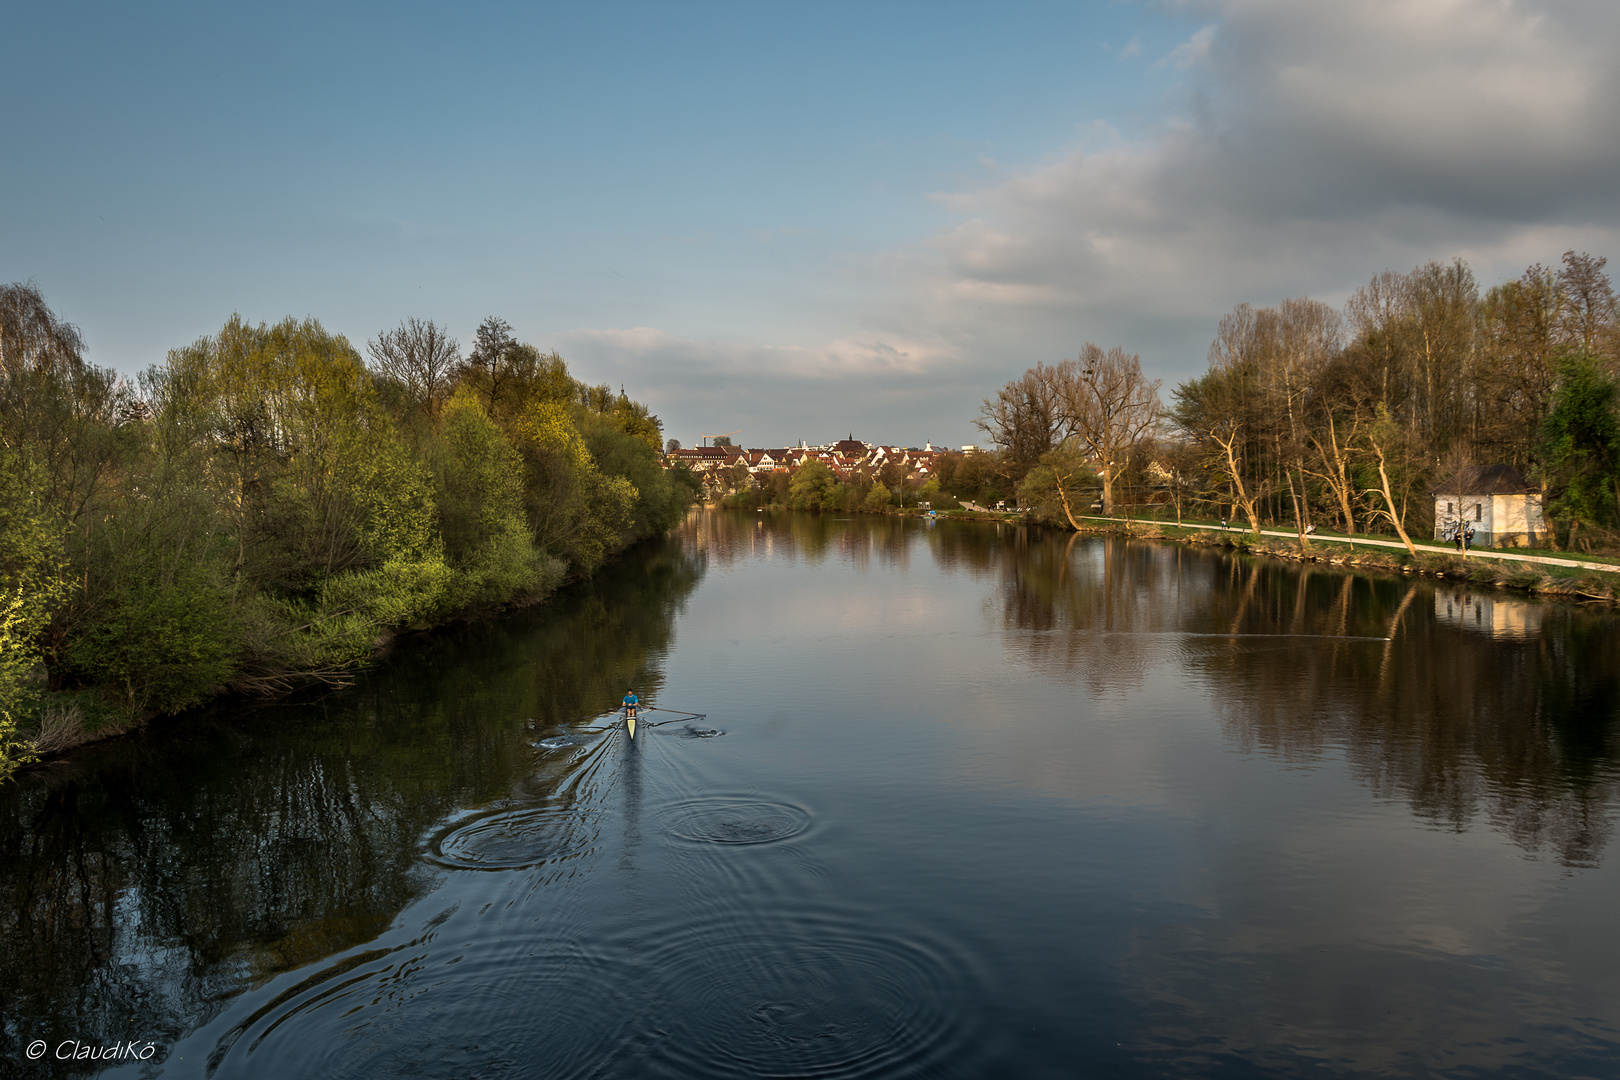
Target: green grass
<point x="1422" y="544"/>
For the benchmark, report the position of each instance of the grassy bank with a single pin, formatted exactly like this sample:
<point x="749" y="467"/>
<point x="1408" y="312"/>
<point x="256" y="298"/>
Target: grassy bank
<point x="1431" y="562"/>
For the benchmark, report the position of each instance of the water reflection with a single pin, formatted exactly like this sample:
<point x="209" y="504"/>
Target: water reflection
<point x="1466" y="704"/>
<point x="989" y="801"/>
<point x="1463" y="704"/>
<point x="146" y="882"/>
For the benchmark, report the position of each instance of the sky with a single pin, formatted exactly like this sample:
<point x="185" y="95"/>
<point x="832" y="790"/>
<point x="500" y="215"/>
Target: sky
<point x="791" y="221"/>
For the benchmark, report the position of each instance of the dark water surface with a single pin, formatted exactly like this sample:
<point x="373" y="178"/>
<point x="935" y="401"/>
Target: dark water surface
<point x="967" y="800"/>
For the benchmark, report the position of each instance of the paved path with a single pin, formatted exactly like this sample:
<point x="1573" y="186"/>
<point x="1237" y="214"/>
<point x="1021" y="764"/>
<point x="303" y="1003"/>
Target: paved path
<point x="1473" y="553"/>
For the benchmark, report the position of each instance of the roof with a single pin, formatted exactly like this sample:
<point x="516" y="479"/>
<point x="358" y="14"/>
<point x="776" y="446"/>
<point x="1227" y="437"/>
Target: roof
<point x="1487" y="480"/>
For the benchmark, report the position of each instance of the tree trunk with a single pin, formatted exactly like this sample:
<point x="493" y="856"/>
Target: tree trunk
<point x="1389" y="500"/>
<point x="1064" y="499"/>
<point x="1240" y="495"/>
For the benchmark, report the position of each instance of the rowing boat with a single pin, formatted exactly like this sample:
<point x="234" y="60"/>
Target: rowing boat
<point x="630" y="722"/>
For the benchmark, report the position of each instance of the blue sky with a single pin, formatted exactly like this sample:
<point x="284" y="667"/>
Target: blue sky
<point x="797" y="220"/>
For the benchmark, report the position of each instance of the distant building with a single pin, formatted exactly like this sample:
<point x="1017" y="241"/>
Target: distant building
<point x="1496" y="501"/>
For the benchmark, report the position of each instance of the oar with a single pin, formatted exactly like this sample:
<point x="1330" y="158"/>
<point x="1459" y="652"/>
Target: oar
<point x="681" y="715"/>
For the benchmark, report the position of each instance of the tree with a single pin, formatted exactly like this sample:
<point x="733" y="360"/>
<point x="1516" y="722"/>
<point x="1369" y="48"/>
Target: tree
<point x="1023" y="420"/>
<point x="1180" y="463"/>
<point x="1587" y="311"/>
<point x="672" y="446"/>
<point x="812" y="487"/>
<point x="1390" y="448"/>
<point x="1107" y="407"/>
<point x="1581" y="445"/>
<point x="1059" y="476"/>
<point x="1216" y="413"/>
<point x="488" y="366"/>
<point x="420" y="356"/>
<point x="1452" y="477"/>
<point x="723" y="440"/>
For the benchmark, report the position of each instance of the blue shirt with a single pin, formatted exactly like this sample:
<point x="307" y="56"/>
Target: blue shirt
<point x="630" y="701"/>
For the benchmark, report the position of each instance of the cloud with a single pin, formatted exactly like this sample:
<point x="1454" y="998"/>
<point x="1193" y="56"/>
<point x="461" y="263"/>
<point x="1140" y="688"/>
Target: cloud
<point x="646" y="348"/>
<point x="882" y="388"/>
<point x="1304" y="148"/>
<point x="1310" y="146"/>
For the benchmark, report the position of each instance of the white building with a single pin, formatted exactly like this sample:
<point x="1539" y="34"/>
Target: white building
<point x="1495" y="501"/>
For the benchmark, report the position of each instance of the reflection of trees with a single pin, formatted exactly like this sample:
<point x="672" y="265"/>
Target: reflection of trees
<point x="727" y="536"/>
<point x="1083" y="609"/>
<point x="1519" y="724"/>
<point x="146" y="881"/>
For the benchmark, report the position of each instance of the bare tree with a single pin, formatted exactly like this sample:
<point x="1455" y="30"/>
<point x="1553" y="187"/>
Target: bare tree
<point x="1307" y="334"/>
<point x="1587" y="312"/>
<point x="1387" y="442"/>
<point x="1452" y="477"/>
<point x="1023" y="420"/>
<point x="421" y="356"/>
<point x="1107" y="407"/>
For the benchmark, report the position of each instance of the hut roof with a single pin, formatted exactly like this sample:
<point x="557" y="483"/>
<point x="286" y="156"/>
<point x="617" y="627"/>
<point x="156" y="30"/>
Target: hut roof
<point x="1488" y="480"/>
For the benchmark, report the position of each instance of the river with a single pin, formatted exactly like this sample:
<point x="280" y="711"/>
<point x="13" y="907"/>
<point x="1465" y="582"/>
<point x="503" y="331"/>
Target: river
<point x="963" y="800"/>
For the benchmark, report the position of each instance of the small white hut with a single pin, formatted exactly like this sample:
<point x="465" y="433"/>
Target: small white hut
<point x="1495" y="501"/>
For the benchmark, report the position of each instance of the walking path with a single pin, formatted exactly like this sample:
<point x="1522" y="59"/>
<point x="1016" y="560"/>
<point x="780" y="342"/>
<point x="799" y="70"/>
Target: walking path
<point x="1473" y="553"/>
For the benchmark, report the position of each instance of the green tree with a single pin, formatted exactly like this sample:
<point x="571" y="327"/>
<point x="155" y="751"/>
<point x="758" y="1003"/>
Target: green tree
<point x="31" y="583"/>
<point x="1581" y="447"/>
<point x="812" y="487"/>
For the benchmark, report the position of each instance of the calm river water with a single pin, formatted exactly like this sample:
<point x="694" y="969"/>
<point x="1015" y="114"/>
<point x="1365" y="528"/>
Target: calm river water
<point x="967" y="800"/>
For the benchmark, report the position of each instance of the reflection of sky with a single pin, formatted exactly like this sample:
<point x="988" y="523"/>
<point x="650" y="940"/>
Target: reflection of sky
<point x="1274" y="905"/>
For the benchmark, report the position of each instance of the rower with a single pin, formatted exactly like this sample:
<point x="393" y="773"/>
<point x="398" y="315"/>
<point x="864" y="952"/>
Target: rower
<point x="631" y="707"/>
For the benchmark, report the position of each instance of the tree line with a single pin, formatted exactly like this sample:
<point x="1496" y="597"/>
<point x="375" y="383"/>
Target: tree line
<point x="266" y="507"/>
<point x="1308" y="414"/>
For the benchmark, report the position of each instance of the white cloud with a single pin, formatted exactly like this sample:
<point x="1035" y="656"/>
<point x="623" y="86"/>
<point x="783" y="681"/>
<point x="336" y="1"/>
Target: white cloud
<point x="1315" y="145"/>
<point x="644" y="348"/>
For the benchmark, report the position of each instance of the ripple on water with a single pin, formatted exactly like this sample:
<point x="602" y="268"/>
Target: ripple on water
<point x="820" y="997"/>
<point x="509" y="839"/>
<point x="730" y="819"/>
<point x="481" y="1012"/>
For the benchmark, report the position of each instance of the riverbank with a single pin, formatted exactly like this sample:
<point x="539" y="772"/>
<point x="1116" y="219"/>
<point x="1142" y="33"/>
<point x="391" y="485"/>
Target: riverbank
<point x="1546" y="575"/>
<point x="71" y="720"/>
<point x="1498" y="569"/>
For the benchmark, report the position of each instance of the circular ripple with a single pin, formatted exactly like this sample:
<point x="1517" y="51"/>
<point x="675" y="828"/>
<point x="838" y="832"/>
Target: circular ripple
<point x="735" y="820"/>
<point x="816" y="998"/>
<point x="473" y="1013"/>
<point x="509" y="839"/>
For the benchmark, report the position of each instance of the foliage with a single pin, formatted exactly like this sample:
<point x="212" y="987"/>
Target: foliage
<point x="268" y="511"/>
<point x="1581" y="445"/>
<point x="813" y="487"/>
<point x="1058" y="489"/>
<point x="17" y="660"/>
